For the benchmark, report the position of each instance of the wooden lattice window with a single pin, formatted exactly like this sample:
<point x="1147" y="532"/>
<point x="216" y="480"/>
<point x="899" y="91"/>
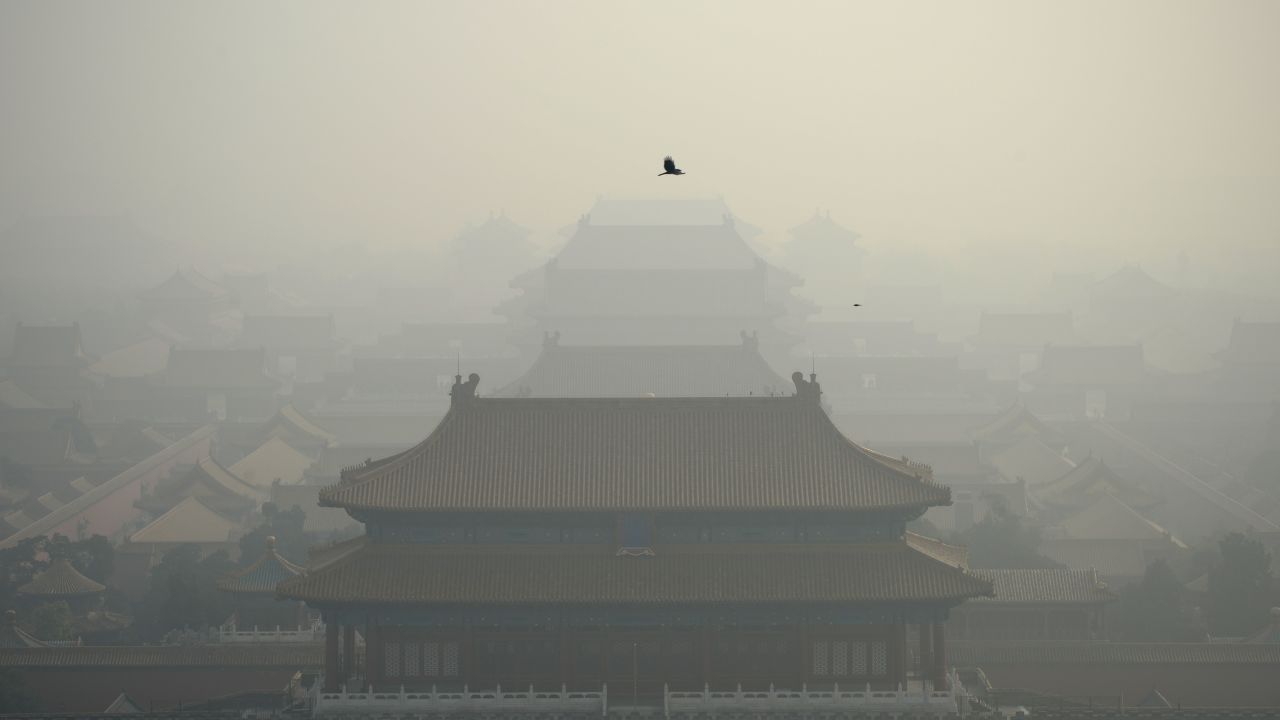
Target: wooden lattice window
<point x="391" y="659"/>
<point x="838" y="658"/>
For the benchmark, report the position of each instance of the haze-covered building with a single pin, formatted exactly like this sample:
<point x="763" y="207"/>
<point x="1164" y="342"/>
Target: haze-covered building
<point x="298" y="347"/>
<point x="827" y="255"/>
<point x="1089" y="381"/>
<point x="49" y="364"/>
<point x="656" y="273"/>
<point x="660" y="542"/>
<point x="648" y="371"/>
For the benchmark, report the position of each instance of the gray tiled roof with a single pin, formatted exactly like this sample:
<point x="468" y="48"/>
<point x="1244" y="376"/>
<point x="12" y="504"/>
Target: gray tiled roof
<point x="263" y="575"/>
<point x="634" y="371"/>
<point x="1046" y="585"/>
<point x="890" y="572"/>
<point x="649" y="453"/>
<point x="61" y="579"/>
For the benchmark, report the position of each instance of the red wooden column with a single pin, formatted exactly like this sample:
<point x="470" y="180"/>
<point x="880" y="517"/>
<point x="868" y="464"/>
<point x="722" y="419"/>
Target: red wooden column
<point x="331" y="669"/>
<point x="939" y="657"/>
<point x="926" y="650"/>
<point x="348" y="652"/>
<point x="899" y="656"/>
<point x="372" y="653"/>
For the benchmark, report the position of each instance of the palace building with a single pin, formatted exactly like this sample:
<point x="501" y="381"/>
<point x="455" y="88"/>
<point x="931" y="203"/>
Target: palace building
<point x="648" y="545"/>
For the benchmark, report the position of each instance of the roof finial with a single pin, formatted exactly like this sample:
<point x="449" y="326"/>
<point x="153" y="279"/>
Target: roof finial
<point x="271" y="542"/>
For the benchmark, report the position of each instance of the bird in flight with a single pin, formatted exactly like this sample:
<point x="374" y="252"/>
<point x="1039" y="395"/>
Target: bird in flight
<point x="669" y="166"/>
<point x="857" y="304"/>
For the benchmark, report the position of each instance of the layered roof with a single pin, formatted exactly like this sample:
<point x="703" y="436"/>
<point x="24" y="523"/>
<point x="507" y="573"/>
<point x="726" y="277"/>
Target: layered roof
<point x="650" y="453"/>
<point x="391" y="574"/>
<point x="61" y="579"/>
<point x="1046" y="585"/>
<point x="263" y="575"/>
<point x="640" y="370"/>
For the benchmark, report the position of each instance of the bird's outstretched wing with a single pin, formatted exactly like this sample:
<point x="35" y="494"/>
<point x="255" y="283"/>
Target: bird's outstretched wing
<point x="668" y="164"/>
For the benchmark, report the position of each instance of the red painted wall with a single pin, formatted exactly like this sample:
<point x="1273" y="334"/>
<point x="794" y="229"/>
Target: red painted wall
<point x="110" y="514"/>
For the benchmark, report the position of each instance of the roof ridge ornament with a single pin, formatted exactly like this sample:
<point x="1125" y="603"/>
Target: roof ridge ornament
<point x="807" y="389"/>
<point x="464" y="391"/>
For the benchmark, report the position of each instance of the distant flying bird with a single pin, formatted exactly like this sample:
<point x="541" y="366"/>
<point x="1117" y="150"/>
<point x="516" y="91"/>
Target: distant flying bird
<point x="669" y="166"/>
<point x="857" y="304"/>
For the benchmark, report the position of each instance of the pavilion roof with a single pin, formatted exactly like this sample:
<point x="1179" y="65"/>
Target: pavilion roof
<point x="532" y="574"/>
<point x="263" y="575"/>
<point x="735" y="453"/>
<point x="640" y="370"/>
<point x="61" y="579"/>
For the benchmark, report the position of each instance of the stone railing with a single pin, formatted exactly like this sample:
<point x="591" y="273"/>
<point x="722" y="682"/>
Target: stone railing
<point x="232" y="634"/>
<point x="409" y="702"/>
<point x="916" y="701"/>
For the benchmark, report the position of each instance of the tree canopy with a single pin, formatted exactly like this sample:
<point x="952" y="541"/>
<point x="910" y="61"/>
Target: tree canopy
<point x="1241" y="587"/>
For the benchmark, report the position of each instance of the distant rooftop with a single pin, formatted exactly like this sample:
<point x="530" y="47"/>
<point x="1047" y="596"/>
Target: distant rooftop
<point x="641" y="370"/>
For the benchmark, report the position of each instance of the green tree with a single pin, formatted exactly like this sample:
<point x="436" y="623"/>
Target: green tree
<point x="182" y="593"/>
<point x="51" y="621"/>
<point x="1157" y="609"/>
<point x="18" y="565"/>
<point x="1241" y="587"/>
<point x="1003" y="540"/>
<point x="94" y="556"/>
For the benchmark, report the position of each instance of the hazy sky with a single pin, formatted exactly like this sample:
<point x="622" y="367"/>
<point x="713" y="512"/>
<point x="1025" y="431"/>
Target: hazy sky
<point x="1131" y="125"/>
